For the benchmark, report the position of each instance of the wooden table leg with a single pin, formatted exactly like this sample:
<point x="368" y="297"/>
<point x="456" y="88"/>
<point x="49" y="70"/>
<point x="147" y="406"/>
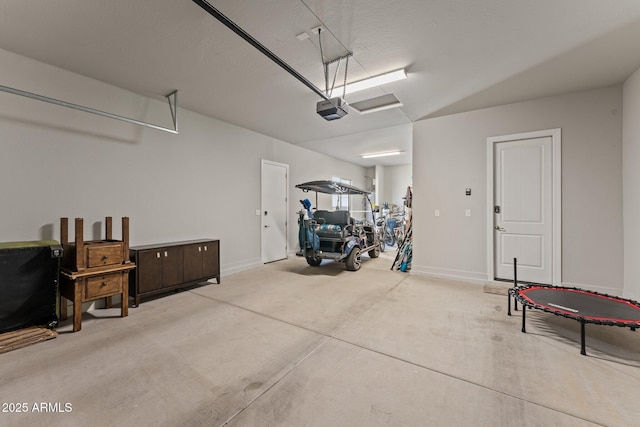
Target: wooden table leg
<point x="63" y="308"/>
<point x="124" y="311"/>
<point x="77" y="308"/>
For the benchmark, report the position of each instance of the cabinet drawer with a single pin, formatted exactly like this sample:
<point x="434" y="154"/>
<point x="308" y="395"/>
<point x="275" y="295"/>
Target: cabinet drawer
<point x="104" y="285"/>
<point x="104" y="254"/>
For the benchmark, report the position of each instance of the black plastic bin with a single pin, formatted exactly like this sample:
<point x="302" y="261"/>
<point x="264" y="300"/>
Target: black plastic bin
<point x="29" y="284"/>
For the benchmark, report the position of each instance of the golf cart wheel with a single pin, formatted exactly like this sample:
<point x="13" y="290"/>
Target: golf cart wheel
<point x="314" y="261"/>
<point x="354" y="260"/>
<point x="375" y="252"/>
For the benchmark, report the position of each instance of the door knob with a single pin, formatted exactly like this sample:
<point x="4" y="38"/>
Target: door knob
<point x="500" y="228"/>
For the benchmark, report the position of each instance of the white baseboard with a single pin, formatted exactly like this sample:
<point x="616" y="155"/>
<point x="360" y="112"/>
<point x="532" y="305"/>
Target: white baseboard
<point x="92" y="305"/>
<point x="237" y="267"/>
<point x="632" y="296"/>
<point x="601" y="289"/>
<point x="443" y="273"/>
<point x="481" y="278"/>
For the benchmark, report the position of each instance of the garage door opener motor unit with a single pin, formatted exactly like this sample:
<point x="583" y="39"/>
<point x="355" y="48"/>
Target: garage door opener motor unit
<point x="332" y="109"/>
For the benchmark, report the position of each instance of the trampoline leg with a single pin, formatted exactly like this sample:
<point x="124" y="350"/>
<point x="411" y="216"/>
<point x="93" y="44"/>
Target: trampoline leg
<point x="524" y="311"/>
<point x="582" y="347"/>
<point x="515" y="283"/>
<point x="508" y="303"/>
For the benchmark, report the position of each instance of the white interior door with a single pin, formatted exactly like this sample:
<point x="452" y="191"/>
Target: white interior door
<point x="523" y="209"/>
<point x="274" y="210"/>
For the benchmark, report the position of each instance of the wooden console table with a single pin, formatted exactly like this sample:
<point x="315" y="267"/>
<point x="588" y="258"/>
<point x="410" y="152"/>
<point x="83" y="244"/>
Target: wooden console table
<point x="94" y="269"/>
<point x="169" y="266"/>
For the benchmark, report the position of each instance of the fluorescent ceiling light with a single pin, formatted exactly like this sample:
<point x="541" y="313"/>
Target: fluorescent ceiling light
<point x="386" y="153"/>
<point x="392" y="76"/>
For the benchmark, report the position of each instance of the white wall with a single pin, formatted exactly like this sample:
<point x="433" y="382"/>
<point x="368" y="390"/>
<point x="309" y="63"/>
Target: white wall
<point x="631" y="180"/>
<point x="204" y="182"/>
<point x="392" y="182"/>
<point x="450" y="155"/>
<point x="396" y="183"/>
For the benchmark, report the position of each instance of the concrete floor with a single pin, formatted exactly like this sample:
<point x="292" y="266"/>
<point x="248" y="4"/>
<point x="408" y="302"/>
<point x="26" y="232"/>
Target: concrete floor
<point x="292" y="345"/>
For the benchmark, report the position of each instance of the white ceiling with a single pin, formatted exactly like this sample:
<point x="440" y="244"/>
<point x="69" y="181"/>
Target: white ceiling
<point x="459" y="55"/>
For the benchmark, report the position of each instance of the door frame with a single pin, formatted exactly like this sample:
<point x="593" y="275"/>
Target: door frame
<point x="262" y="197"/>
<point x="556" y="197"/>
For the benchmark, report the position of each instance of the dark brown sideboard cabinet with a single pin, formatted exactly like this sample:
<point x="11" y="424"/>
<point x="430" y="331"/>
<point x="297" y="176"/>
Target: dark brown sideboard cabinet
<point x="168" y="266"/>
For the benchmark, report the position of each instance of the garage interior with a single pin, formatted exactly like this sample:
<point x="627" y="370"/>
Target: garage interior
<point x="285" y="343"/>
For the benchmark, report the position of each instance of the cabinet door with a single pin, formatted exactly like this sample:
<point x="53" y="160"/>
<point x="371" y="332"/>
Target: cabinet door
<point x="172" y="271"/>
<point x="193" y="262"/>
<point x="149" y="270"/>
<point x="211" y="259"/>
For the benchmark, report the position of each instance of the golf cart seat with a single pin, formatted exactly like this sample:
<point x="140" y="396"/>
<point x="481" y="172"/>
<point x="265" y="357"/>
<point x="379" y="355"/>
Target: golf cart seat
<point x="333" y="224"/>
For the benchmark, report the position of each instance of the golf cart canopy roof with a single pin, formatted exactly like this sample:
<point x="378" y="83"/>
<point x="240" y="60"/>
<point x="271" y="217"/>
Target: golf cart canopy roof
<point x="330" y="187"/>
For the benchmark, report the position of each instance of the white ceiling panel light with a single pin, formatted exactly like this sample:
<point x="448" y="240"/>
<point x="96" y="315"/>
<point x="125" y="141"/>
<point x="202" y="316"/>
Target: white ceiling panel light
<point x="374" y="81"/>
<point x="382" y="154"/>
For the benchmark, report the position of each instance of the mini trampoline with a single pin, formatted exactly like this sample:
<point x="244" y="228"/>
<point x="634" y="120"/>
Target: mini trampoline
<point x="578" y="304"/>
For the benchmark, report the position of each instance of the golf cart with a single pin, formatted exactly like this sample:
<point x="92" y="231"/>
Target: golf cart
<point x="335" y="235"/>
